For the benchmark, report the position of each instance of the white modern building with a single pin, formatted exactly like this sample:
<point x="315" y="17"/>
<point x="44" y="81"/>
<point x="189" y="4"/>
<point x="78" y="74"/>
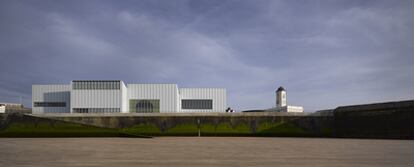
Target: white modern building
<point x="113" y="96"/>
<point x="281" y="103"/>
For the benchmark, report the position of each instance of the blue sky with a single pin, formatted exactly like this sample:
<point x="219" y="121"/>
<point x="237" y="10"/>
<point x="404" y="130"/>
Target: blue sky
<point x="325" y="53"/>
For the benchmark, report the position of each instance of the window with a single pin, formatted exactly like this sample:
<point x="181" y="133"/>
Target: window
<point x="197" y="104"/>
<point x="111" y="85"/>
<point x="50" y="104"/>
<point x="96" y="110"/>
<point x="144" y="105"/>
<point x="96" y="85"/>
<point x="117" y="85"/>
<point x="107" y="85"/>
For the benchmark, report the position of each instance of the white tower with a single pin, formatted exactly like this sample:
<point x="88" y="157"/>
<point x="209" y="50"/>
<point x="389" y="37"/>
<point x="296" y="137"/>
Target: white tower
<point x="281" y="97"/>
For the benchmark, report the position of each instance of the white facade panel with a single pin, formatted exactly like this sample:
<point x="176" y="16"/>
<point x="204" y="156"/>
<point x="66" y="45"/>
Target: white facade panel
<point x="96" y="99"/>
<point x="218" y="95"/>
<point x="48" y="94"/>
<point x="286" y="109"/>
<point x="124" y="98"/>
<point x="165" y="93"/>
<point x="294" y="109"/>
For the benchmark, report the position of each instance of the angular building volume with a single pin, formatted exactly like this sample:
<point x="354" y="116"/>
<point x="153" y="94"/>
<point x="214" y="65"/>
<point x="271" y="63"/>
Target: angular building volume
<point x="113" y="96"/>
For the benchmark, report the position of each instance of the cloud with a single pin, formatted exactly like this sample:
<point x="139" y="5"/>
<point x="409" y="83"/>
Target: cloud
<point x="324" y="53"/>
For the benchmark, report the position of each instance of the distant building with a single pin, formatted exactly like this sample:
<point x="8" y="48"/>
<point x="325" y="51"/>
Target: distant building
<point x="113" y="96"/>
<point x="281" y="103"/>
<point x="10" y="106"/>
<point x="2" y="108"/>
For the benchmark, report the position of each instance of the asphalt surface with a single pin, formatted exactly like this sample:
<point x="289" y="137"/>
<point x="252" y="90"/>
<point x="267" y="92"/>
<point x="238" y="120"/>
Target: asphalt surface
<point x="204" y="151"/>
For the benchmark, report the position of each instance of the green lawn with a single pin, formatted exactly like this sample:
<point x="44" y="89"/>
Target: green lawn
<point x="59" y="129"/>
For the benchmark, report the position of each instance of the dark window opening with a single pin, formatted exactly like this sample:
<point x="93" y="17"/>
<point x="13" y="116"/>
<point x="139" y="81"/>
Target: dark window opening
<point x="144" y="106"/>
<point x="96" y="85"/>
<point x="49" y="104"/>
<point x="96" y="110"/>
<point x="197" y="104"/>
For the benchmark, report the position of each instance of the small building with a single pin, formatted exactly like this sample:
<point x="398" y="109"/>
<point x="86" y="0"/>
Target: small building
<point x="113" y="96"/>
<point x="281" y="103"/>
<point x="4" y="107"/>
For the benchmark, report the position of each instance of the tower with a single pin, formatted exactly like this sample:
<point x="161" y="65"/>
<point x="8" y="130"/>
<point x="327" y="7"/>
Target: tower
<point x="281" y="97"/>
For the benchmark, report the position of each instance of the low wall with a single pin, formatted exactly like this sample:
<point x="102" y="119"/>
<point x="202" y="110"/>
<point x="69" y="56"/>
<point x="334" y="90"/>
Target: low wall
<point x="380" y="120"/>
<point x="393" y="120"/>
<point x="209" y="124"/>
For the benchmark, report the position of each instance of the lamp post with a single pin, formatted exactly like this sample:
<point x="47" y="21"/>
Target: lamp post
<point x="198" y="123"/>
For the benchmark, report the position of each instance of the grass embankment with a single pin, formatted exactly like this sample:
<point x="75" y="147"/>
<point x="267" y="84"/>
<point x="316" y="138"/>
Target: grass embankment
<point x="225" y="129"/>
<point x="29" y="126"/>
<point x="17" y="125"/>
<point x="56" y="130"/>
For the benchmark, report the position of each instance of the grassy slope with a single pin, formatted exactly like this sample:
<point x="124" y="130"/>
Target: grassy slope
<point x="57" y="130"/>
<point x="224" y="129"/>
<point x="26" y="126"/>
<point x="17" y="125"/>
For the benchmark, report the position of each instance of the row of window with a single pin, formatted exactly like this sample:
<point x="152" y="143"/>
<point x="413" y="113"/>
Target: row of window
<point x="49" y="104"/>
<point x="141" y="105"/>
<point x="96" y="110"/>
<point x="196" y="104"/>
<point x="96" y="85"/>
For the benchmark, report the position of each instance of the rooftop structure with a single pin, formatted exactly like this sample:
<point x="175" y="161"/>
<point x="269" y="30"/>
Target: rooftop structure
<point x="281" y="103"/>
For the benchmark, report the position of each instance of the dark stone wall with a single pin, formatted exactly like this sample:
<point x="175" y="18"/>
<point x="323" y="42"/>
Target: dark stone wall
<point x="393" y="120"/>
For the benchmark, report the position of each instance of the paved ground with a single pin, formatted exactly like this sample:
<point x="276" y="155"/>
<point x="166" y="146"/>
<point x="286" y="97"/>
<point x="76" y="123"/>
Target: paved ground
<point x="205" y="151"/>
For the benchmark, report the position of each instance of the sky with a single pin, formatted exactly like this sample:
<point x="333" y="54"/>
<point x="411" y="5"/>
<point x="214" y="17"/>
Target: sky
<point x="324" y="53"/>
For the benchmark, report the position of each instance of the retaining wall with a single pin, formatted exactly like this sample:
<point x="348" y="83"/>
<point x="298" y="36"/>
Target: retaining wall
<point x="392" y="120"/>
<point x="380" y="120"/>
<point x="211" y="124"/>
